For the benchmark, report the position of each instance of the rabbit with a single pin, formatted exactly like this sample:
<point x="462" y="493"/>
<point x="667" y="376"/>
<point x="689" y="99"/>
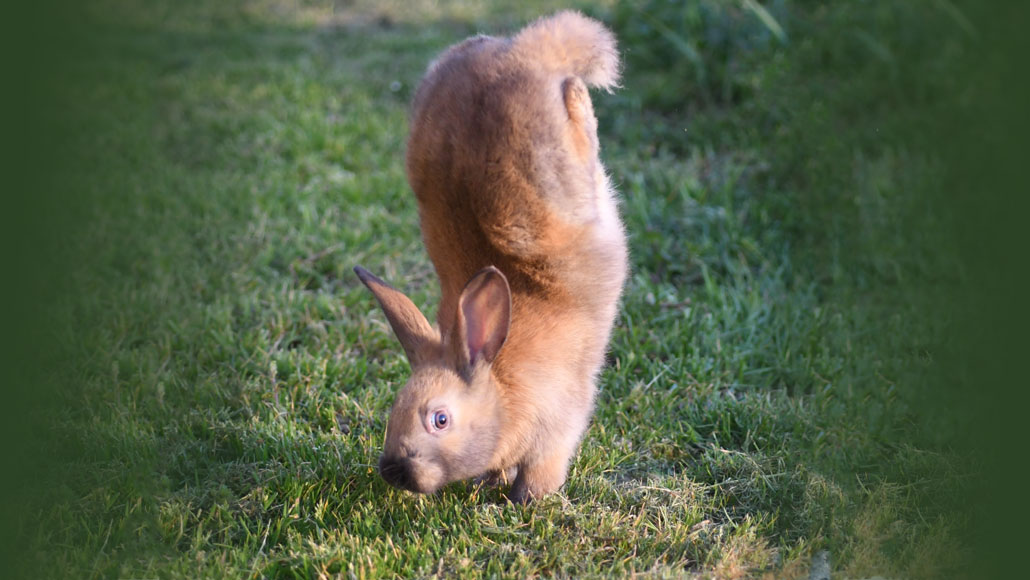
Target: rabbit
<point x="521" y="223"/>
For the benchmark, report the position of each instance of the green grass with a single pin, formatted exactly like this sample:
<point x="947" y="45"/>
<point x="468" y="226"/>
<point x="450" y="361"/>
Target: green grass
<point x="228" y="379"/>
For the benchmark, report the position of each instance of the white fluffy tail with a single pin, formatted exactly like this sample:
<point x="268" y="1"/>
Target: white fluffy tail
<point x="569" y="43"/>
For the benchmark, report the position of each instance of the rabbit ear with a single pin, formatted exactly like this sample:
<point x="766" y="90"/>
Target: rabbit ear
<point x="408" y="323"/>
<point x="484" y="316"/>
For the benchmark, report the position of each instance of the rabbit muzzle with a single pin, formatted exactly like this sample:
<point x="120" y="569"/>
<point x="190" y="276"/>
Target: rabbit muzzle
<point x="397" y="472"/>
<point x="410" y="472"/>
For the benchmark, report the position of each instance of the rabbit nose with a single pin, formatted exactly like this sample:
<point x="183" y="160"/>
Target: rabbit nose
<point x="397" y="472"/>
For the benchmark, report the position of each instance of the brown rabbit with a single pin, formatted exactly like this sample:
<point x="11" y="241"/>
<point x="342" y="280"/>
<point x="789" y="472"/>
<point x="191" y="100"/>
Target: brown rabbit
<point x="522" y="227"/>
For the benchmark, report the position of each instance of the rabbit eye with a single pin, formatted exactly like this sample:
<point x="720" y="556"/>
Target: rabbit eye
<point x="441" y="420"/>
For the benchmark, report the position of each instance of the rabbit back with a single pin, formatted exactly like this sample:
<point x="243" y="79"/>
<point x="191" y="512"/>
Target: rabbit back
<point x="503" y="159"/>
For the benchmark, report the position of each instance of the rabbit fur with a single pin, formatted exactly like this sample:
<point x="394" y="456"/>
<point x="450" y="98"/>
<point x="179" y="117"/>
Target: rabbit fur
<point x="521" y="224"/>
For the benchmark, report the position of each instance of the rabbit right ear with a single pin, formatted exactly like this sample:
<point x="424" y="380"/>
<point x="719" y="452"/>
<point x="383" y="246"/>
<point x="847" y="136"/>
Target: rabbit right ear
<point x="409" y="324"/>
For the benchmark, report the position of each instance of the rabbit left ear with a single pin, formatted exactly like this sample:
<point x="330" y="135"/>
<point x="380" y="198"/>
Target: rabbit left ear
<point x="484" y="317"/>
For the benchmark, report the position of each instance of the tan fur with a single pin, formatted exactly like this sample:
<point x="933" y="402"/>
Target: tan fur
<point x="503" y="160"/>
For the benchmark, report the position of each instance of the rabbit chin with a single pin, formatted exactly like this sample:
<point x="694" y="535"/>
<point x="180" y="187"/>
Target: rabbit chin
<point x="429" y="478"/>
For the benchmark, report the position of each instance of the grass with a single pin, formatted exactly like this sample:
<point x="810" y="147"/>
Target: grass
<point x="228" y="379"/>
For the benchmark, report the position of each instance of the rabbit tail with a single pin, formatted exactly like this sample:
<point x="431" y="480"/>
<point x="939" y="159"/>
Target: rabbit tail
<point x="570" y="44"/>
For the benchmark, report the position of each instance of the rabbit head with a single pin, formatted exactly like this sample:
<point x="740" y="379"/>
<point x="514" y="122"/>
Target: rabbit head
<point x="445" y="422"/>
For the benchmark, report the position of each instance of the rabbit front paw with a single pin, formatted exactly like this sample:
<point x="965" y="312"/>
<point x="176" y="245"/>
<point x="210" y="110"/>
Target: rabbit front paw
<point x="539" y="479"/>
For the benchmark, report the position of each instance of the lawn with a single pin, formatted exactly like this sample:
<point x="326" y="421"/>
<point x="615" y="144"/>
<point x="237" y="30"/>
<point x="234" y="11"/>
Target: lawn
<point x="225" y="378"/>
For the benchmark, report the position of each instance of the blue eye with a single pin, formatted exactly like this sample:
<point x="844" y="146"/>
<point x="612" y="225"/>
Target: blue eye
<point x="441" y="420"/>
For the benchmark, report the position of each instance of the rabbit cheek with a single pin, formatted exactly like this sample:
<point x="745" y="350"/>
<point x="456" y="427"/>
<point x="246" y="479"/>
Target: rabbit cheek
<point x="463" y="455"/>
